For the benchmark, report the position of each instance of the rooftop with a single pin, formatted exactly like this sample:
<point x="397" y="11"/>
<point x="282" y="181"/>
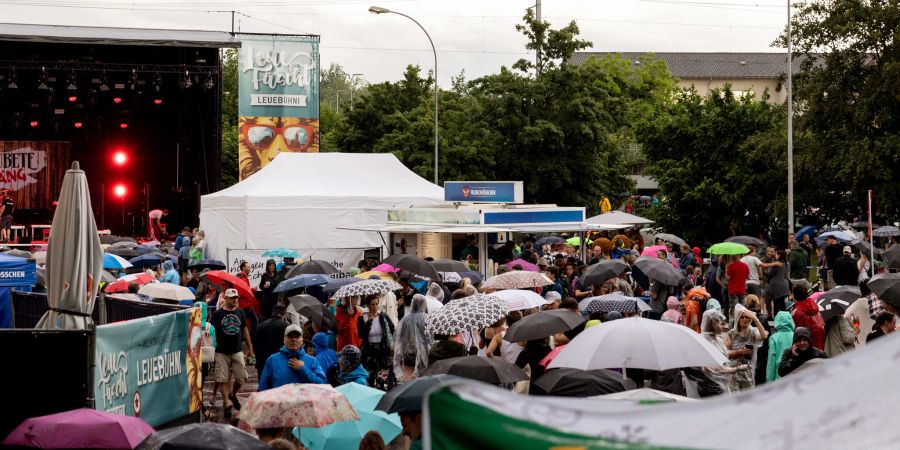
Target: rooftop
<point x="65" y="34"/>
<point x="709" y="65"/>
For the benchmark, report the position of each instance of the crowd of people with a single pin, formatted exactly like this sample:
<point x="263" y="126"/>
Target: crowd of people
<point x="754" y="308"/>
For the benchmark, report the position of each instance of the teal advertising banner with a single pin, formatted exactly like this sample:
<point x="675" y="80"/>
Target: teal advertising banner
<point x="150" y="367"/>
<point x="278" y="98"/>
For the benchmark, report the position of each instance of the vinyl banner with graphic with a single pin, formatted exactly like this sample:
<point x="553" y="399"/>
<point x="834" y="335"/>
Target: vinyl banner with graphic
<point x="33" y="171"/>
<point x="150" y="367"/>
<point x="278" y="101"/>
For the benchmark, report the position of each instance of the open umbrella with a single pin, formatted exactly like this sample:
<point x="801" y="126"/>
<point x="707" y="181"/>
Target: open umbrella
<point x="517" y="279"/>
<point x="413" y="264"/>
<point x="121" y="285"/>
<point x="202" y="436"/>
<point x="543" y="324"/>
<point x="613" y="302"/>
<point x="809" y="229"/>
<point x="123" y="244"/>
<point x="111" y="261"/>
<point x="450" y="277"/>
<point x="618" y="218"/>
<point x="143" y="261"/>
<point x="467" y="313"/>
<point x="211" y="264"/>
<point x="408" y="397"/>
<point x="574" y="241"/>
<point x="836" y="304"/>
<point x="313" y="266"/>
<point x="167" y="291"/>
<point x="886" y="286"/>
<point x="386" y="268"/>
<point x="865" y="248"/>
<point x="602" y="271"/>
<point x="728" y="248"/>
<point x="336" y="283"/>
<point x="226" y="280"/>
<point x="301" y="281"/>
<point x="449" y="265"/>
<point x="347" y="435"/>
<point x="379" y="275"/>
<point x="367" y="287"/>
<point x="842" y="236"/>
<point x="551" y="240"/>
<point x="18" y="253"/>
<point x="525" y="265"/>
<point x="746" y="240"/>
<point x="659" y="270"/>
<point x="40" y="258"/>
<point x="566" y="382"/>
<point x="651" y="250"/>
<point x="481" y="368"/>
<point x="123" y="252"/>
<point x="74" y="258"/>
<point x="281" y="252"/>
<point x="519" y="299"/>
<point x="105" y="277"/>
<point x="886" y="231"/>
<point x="108" y="239"/>
<point x="639" y="344"/>
<point x="297" y="405"/>
<point x="80" y="428"/>
<point x="475" y="277"/>
<point x="311" y="308"/>
<point x="644" y="396"/>
<point x="670" y="238"/>
<point x="892" y="257"/>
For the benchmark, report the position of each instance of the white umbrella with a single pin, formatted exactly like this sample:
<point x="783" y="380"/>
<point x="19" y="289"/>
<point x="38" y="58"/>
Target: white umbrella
<point x="519" y="299"/>
<point x="618" y="218"/>
<point x="517" y="279"/>
<point x="74" y="258"/>
<point x="167" y="291"/>
<point x="644" y="395"/>
<point x="40" y="258"/>
<point x="637" y="343"/>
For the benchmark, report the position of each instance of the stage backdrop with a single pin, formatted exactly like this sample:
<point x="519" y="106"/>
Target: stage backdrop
<point x="33" y="170"/>
<point x="278" y="101"/>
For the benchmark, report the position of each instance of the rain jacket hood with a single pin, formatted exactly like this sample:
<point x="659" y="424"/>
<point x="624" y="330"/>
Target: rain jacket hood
<point x="802" y="333"/>
<point x="326" y="356"/>
<point x="781" y="340"/>
<point x="168" y="265"/>
<point x="784" y="322"/>
<point x="357" y="375"/>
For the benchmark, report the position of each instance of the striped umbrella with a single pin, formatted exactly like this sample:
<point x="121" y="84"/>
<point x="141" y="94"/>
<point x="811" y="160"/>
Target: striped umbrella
<point x="111" y="261"/>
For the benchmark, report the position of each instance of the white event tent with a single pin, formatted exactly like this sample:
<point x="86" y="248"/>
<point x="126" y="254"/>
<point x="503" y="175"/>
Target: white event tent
<point x="299" y="200"/>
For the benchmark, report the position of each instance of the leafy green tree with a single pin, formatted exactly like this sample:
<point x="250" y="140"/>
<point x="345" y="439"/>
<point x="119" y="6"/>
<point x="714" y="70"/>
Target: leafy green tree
<point x="228" y="162"/>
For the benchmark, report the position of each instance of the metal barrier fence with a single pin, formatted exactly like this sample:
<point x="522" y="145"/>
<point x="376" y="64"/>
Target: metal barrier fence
<point x="29" y="307"/>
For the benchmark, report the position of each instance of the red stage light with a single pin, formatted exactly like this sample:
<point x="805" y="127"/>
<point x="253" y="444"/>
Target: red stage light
<point x="117" y="100"/>
<point x="120" y="190"/>
<point x="78" y="124"/>
<point x="34" y="123"/>
<point x="73" y="98"/>
<point x="120" y="158"/>
<point x="157" y="101"/>
<point x="123" y="125"/>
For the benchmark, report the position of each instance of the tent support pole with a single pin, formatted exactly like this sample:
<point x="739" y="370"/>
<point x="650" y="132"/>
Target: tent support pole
<point x="483" y="254"/>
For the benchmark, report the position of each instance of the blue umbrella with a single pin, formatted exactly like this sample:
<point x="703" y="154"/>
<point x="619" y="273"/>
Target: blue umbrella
<point x="809" y="229"/>
<point x="344" y="435"/>
<point x="475" y="277"/>
<point x="145" y="261"/>
<point x="302" y="281"/>
<point x="839" y="235"/>
<point x="111" y="261"/>
<point x="281" y="252"/>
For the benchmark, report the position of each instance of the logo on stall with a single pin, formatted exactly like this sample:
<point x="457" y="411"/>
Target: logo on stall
<point x="465" y="191"/>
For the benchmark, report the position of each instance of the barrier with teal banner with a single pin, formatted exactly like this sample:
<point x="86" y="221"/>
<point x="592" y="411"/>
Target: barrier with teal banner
<point x="150" y="367"/>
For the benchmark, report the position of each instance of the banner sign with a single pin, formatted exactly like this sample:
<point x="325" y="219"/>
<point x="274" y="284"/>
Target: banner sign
<point x="278" y="100"/>
<point x="341" y="258"/>
<point x="484" y="191"/>
<point x="534" y="217"/>
<point x="150" y="367"/>
<point x="33" y="171"/>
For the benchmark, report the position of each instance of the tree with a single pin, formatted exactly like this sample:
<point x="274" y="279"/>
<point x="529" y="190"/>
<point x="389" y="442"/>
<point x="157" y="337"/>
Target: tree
<point x="554" y="46"/>
<point x="228" y="163"/>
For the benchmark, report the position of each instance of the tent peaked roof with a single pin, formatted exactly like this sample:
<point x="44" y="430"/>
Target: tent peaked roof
<point x="373" y="179"/>
<point x="618" y="218"/>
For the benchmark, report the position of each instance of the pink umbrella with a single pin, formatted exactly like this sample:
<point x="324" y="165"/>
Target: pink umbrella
<point x="297" y="405"/>
<point x="651" y="250"/>
<point x="546" y="361"/>
<point x="385" y="268"/>
<point x="525" y="265"/>
<point x="80" y="428"/>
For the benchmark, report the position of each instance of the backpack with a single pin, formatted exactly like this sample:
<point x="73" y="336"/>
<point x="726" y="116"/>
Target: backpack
<point x="207" y="349"/>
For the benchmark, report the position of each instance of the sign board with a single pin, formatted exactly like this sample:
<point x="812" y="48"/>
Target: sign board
<point x="484" y="191"/>
<point x="534" y="217"/>
<point x="150" y="367"/>
<point x="341" y="258"/>
<point x="278" y="100"/>
<point x="434" y="216"/>
<point x="33" y="170"/>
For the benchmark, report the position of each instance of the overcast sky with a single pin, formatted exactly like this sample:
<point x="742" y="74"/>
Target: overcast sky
<point x="476" y="36"/>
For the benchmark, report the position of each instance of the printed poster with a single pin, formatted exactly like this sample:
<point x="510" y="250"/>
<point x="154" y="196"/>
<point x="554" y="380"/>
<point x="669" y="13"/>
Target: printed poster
<point x="341" y="258"/>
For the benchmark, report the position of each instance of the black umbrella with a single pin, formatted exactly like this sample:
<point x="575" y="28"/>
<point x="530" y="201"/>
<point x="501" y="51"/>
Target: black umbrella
<point x="543" y="324"/>
<point x="892" y="257"/>
<point x="312" y="266"/>
<point x="311" y="308"/>
<point x="480" y="368"/>
<point x="624" y="194"/>
<point x="836" y="301"/>
<point x="199" y="436"/>
<point x="449" y="265"/>
<point x="746" y="240"/>
<point x="602" y="271"/>
<point x="123" y="252"/>
<point x="407" y="397"/>
<point x="336" y="283"/>
<point x="865" y="248"/>
<point x="566" y="382"/>
<point x="145" y="261"/>
<point x="658" y="269"/>
<point x="668" y="237"/>
<point x="413" y="264"/>
<point x="211" y="264"/>
<point x="887" y="287"/>
<point x="552" y="240"/>
<point x="108" y="239"/>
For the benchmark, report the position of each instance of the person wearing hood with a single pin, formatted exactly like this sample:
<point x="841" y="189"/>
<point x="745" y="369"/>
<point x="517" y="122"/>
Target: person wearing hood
<point x="267" y="283"/>
<point x="170" y="275"/>
<point x="326" y="357"/>
<point x="351" y="369"/>
<point x="779" y="341"/>
<point x="841" y="336"/>
<point x="672" y="314"/>
<point x="412" y="342"/>
<point x="712" y="381"/>
<point x="800" y="352"/>
<point x="291" y="364"/>
<point x="742" y="341"/>
<point x="806" y="314"/>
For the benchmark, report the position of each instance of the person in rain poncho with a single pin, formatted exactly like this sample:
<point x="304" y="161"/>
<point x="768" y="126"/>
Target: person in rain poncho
<point x="412" y="343"/>
<point x="742" y="342"/>
<point x="780" y="341"/>
<point x="806" y="314"/>
<point x="435" y="293"/>
<point x="171" y="275"/>
<point x="672" y="314"/>
<point x="799" y="353"/>
<point x="713" y="305"/>
<point x="712" y="380"/>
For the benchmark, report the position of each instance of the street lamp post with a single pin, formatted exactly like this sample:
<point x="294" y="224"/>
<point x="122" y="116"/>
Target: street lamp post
<point x="380" y="10"/>
<point x="790" y="125"/>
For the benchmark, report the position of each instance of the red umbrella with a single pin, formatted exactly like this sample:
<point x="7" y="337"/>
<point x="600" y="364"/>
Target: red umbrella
<point x="226" y="280"/>
<point x="121" y="285"/>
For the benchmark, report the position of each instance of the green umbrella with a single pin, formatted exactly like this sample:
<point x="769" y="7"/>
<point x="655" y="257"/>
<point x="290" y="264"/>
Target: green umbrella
<point x="346" y="435"/>
<point x="728" y="248"/>
<point x="576" y="241"/>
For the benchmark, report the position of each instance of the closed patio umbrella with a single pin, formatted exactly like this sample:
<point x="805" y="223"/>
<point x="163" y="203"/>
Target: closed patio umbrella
<point x="74" y="257"/>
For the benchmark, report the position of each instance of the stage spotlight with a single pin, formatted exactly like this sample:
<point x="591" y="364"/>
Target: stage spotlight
<point x="120" y="158"/>
<point x="120" y="190"/>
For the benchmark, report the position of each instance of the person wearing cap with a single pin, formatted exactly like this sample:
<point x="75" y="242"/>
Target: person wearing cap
<point x="844" y="271"/>
<point x="350" y="364"/>
<point x="291" y="364"/>
<point x="231" y="331"/>
<point x="800" y="352"/>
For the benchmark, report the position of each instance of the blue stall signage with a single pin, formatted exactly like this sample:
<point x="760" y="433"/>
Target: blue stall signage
<point x="484" y="191"/>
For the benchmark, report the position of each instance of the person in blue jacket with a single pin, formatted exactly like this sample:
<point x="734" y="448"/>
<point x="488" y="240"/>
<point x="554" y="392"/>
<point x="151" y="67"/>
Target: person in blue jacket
<point x="326" y="356"/>
<point x="291" y="364"/>
<point x="351" y="369"/>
